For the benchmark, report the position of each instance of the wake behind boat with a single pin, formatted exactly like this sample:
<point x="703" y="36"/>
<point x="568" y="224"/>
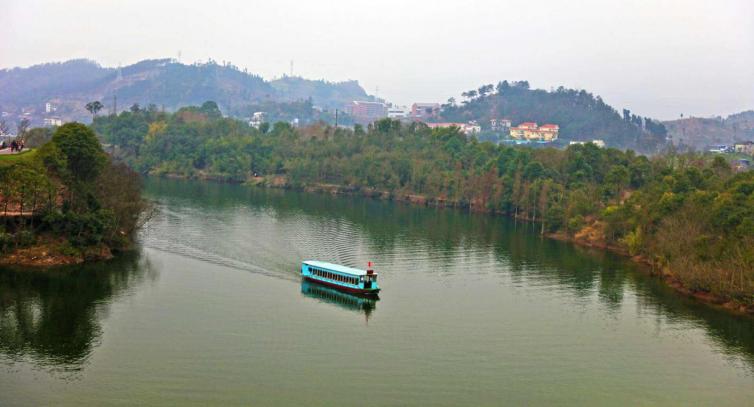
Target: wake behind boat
<point x="343" y="278"/>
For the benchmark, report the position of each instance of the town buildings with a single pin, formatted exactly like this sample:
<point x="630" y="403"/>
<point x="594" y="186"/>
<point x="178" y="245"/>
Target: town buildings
<point x="366" y="112"/>
<point x="398" y="112"/>
<point x="500" y="125"/>
<point x="425" y="111"/>
<point x="529" y="131"/>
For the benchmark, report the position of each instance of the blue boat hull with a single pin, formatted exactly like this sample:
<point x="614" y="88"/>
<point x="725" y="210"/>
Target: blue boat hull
<point x="350" y="290"/>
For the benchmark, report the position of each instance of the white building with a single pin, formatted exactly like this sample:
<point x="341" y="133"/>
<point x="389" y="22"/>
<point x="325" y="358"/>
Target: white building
<point x="468" y="129"/>
<point x="53" y="121"/>
<point x="397" y="112"/>
<point x="503" y="125"/>
<point x="49" y="107"/>
<point x="257" y="119"/>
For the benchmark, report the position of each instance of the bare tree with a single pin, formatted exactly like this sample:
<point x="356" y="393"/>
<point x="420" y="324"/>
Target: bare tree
<point x="22" y="126"/>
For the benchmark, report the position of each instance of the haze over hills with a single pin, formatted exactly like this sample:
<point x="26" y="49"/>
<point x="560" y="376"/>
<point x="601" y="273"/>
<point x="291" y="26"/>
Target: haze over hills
<point x="163" y="82"/>
<point x="701" y="133"/>
<point x="68" y="86"/>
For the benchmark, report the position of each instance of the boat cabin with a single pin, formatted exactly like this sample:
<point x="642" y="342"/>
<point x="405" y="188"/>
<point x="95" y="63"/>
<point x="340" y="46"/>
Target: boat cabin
<point x="343" y="278"/>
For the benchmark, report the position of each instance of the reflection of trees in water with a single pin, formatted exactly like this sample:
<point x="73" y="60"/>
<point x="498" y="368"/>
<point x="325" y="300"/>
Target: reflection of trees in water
<point x="529" y="259"/>
<point x="53" y="316"/>
<point x="735" y="333"/>
<point x="343" y="300"/>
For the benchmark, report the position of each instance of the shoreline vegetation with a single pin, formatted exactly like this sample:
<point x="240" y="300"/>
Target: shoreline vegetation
<point x="66" y="202"/>
<point x="655" y="269"/>
<point x="689" y="215"/>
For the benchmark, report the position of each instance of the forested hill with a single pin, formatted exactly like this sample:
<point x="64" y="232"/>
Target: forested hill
<point x="580" y="115"/>
<point x="70" y="85"/>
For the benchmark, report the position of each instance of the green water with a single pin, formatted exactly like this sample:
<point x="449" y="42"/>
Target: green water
<point x="475" y="310"/>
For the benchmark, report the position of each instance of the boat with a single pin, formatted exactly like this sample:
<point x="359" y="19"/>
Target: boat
<point x="347" y="279"/>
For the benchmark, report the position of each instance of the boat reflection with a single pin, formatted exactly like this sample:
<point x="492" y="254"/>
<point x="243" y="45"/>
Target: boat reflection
<point x="351" y="302"/>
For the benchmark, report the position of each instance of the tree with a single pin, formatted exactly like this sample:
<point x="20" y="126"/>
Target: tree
<point x="471" y="94"/>
<point x="82" y="151"/>
<point x="94" y="107"/>
<point x="37" y="136"/>
<point x="22" y="126"/>
<point x="484" y="90"/>
<point x="211" y="109"/>
<point x="4" y="128"/>
<point x="502" y="87"/>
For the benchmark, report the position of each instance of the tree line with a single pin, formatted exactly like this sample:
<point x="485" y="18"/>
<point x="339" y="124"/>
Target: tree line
<point x="687" y="213"/>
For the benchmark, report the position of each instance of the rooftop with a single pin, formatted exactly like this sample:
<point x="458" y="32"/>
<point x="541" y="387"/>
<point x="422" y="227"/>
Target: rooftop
<point x="336" y="267"/>
<point x="364" y="102"/>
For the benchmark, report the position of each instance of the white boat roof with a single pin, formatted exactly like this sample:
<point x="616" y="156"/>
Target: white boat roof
<point x="336" y="267"/>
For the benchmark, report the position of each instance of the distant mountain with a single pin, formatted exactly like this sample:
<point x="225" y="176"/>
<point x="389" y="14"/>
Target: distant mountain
<point x="700" y="133"/>
<point x="580" y="115"/>
<point x="163" y="82"/>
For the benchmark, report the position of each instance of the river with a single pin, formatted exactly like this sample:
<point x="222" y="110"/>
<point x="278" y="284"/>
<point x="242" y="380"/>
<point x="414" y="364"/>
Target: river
<point x="474" y="310"/>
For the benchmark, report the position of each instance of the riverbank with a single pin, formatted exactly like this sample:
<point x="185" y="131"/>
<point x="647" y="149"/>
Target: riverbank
<point x="665" y="274"/>
<point x="50" y="251"/>
<point x="590" y="235"/>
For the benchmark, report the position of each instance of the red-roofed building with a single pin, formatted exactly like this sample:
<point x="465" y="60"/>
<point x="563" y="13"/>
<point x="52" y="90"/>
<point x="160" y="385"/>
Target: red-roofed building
<point x="530" y="131"/>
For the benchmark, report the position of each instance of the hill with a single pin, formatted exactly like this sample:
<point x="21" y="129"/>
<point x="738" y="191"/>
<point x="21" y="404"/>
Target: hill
<point x="163" y="82"/>
<point x="580" y="115"/>
<point x="700" y="133"/>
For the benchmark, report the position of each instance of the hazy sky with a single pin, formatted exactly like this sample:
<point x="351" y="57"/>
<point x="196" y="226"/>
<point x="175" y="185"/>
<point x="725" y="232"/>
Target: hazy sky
<point x="657" y="58"/>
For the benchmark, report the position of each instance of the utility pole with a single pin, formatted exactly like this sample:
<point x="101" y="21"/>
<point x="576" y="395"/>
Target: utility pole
<point x="115" y="105"/>
<point x="336" y="119"/>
